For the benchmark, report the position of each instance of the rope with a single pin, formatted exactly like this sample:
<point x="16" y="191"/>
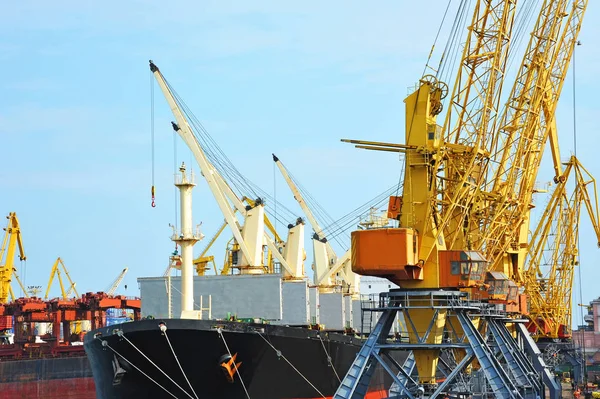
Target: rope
<point x="275" y="193"/>
<point x="120" y="334"/>
<point x="288" y="362"/>
<point x="236" y="369"/>
<point x="329" y="359"/>
<point x="577" y="238"/>
<point x="105" y="343"/>
<point x="436" y="38"/>
<point x="175" y="189"/>
<point x="177" y="360"/>
<point x="152" y="132"/>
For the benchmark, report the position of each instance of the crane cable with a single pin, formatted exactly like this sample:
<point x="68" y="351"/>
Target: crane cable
<point x="275" y="194"/>
<point x="578" y="43"/>
<point x="153" y="190"/>
<point x="436" y="38"/>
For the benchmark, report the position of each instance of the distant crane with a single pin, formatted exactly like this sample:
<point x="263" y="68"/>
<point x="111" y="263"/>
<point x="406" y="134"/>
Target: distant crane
<point x="12" y="240"/>
<point x="115" y="284"/>
<point x="56" y="272"/>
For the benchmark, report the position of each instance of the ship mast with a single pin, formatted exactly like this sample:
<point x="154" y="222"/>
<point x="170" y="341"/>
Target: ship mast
<point x="186" y="240"/>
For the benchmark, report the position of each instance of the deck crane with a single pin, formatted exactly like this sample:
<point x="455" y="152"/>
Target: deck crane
<point x="56" y="272"/>
<point x="553" y="253"/>
<point x="326" y="262"/>
<point x="12" y="240"/>
<point x="250" y="236"/>
<point x="115" y="284"/>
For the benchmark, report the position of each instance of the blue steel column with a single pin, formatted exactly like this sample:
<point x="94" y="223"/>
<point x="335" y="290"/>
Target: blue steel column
<point x="356" y="382"/>
<point x="523" y="368"/>
<point x="539" y="364"/>
<point x="497" y="378"/>
<point x="518" y="373"/>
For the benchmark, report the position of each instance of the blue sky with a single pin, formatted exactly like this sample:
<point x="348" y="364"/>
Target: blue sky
<point x="263" y="76"/>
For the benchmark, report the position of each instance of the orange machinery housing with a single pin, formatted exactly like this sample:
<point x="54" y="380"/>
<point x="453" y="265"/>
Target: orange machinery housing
<point x="392" y="253"/>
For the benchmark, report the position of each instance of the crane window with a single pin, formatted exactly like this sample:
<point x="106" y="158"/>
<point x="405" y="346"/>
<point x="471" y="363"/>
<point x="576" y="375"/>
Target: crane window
<point x="455" y="267"/>
<point x="477" y="269"/>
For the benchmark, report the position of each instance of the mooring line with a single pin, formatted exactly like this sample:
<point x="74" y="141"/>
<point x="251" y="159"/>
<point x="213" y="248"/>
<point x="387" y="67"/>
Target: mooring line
<point x="104" y="343"/>
<point x="234" y="365"/>
<point x="297" y="371"/>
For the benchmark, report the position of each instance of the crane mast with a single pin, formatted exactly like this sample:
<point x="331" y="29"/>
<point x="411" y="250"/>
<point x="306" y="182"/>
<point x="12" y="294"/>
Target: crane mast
<point x="434" y="208"/>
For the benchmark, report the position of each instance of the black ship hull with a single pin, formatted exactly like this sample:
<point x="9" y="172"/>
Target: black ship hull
<point x="193" y="359"/>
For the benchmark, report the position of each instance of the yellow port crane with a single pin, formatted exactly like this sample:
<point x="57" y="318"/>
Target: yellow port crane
<point x="553" y="253"/>
<point x="442" y="173"/>
<point x="10" y="243"/>
<point x="56" y="272"/>
<point x="468" y="185"/>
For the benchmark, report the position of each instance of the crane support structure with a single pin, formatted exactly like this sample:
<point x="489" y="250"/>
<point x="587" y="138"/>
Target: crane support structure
<point x="12" y="240"/>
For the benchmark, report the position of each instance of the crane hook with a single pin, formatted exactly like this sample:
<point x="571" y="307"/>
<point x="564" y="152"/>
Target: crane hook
<point x="153" y="202"/>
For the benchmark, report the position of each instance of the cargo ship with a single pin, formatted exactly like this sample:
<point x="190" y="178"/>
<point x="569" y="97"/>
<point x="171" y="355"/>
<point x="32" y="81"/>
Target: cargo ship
<point x="179" y="358"/>
<point x="220" y="358"/>
<point x="45" y="358"/>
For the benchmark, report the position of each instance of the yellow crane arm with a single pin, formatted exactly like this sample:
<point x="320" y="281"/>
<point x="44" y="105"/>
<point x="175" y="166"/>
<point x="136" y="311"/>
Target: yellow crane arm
<point x="55" y="272"/>
<point x="115" y="284"/>
<point x="553" y="252"/>
<point x="470" y="122"/>
<point x="527" y="122"/>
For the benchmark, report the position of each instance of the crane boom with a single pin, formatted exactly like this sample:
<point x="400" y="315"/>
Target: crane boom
<point x="553" y="253"/>
<point x="325" y="267"/>
<point x="473" y="112"/>
<point x="527" y="123"/>
<point x="115" y="284"/>
<point x="185" y="132"/>
<point x="307" y="211"/>
<point x="251" y="236"/>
